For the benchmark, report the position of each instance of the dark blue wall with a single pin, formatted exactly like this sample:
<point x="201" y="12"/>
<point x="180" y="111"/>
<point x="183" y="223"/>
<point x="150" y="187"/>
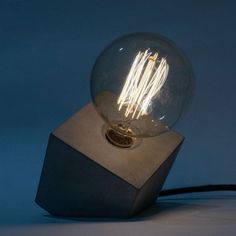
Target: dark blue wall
<point x="47" y="49"/>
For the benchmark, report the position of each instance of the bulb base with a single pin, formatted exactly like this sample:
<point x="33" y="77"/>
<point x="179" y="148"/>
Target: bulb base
<point x="118" y="139"/>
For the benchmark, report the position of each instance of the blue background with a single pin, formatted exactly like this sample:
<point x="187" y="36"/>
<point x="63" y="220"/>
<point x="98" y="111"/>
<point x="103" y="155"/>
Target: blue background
<point x="47" y="50"/>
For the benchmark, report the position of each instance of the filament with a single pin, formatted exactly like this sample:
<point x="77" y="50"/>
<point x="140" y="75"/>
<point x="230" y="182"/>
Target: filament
<point x="144" y="81"/>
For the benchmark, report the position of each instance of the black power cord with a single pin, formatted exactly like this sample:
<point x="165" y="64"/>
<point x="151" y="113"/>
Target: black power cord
<point x="196" y="189"/>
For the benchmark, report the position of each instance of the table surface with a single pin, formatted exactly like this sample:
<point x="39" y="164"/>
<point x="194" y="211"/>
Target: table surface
<point x="196" y="214"/>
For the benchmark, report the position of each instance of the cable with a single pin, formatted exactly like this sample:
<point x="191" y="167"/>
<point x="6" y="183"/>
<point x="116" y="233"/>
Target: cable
<point x="201" y="188"/>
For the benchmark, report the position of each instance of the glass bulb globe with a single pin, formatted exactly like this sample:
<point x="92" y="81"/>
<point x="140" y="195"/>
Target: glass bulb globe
<point x="141" y="84"/>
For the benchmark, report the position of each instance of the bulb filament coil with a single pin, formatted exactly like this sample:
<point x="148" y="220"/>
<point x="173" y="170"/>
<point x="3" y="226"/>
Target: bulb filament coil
<point x="144" y="81"/>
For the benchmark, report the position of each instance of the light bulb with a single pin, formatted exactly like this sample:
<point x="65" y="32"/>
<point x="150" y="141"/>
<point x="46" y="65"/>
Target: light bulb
<point x="140" y="84"/>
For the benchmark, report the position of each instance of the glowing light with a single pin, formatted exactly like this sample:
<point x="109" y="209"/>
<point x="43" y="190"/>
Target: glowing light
<point x="144" y="81"/>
